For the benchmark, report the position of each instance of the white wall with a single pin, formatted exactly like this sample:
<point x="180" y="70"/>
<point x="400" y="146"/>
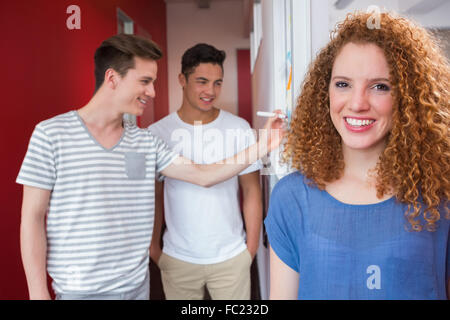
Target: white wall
<point x="263" y="99"/>
<point x="221" y="26"/>
<point x="262" y="88"/>
<point x="436" y="18"/>
<point x="361" y="5"/>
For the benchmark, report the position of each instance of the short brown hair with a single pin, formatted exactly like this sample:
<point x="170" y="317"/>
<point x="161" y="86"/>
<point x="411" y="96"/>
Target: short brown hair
<point x="118" y="52"/>
<point x="201" y="53"/>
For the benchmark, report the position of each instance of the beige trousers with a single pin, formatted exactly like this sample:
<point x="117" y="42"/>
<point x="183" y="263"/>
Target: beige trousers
<point x="228" y="280"/>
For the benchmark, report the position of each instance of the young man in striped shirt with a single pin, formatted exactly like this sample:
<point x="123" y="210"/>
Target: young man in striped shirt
<point x="88" y="176"/>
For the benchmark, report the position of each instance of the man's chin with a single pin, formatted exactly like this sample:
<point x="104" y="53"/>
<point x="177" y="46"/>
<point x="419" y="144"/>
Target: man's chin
<point x="205" y="108"/>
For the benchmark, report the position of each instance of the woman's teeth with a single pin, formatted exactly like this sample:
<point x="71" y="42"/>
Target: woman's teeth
<point x="358" y="122"/>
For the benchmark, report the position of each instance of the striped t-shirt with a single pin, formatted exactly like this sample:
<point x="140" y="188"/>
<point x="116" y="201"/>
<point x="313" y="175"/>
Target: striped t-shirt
<point x="100" y="217"/>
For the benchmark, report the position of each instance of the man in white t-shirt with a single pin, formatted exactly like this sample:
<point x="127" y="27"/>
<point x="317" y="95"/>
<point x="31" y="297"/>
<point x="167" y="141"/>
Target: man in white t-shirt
<point x="205" y="244"/>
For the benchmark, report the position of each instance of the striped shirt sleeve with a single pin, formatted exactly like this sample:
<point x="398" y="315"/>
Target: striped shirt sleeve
<point x="164" y="155"/>
<point x="38" y="167"/>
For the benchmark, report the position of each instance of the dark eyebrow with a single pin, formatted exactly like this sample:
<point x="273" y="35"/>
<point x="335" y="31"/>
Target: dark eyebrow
<point x="201" y="78"/>
<point x="147" y="78"/>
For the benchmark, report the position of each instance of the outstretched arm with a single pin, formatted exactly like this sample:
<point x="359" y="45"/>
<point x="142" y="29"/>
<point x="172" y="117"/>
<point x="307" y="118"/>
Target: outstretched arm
<point x="207" y="175"/>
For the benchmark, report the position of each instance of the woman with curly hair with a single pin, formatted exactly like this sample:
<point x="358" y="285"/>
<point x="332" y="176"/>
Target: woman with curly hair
<point x="365" y="214"/>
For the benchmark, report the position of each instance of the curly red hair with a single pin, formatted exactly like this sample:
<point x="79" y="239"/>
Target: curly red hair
<point x="415" y="163"/>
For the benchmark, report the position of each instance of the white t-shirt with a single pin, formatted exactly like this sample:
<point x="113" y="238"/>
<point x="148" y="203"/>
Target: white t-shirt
<point x="204" y="225"/>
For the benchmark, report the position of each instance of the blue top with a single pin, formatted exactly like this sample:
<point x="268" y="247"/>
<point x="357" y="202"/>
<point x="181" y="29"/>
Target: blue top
<point x="345" y="251"/>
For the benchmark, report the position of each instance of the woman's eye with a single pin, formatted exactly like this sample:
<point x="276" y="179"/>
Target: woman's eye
<point x="341" y="84"/>
<point x="381" y="87"/>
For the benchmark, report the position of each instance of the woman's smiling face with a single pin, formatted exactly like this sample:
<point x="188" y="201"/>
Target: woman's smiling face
<point x="361" y="103"/>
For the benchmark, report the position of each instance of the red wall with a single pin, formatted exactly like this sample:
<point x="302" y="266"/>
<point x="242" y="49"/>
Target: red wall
<point x="244" y="86"/>
<point x="46" y="70"/>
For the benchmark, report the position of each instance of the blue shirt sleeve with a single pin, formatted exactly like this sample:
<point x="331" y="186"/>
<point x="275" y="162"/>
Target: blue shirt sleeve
<point x="282" y="225"/>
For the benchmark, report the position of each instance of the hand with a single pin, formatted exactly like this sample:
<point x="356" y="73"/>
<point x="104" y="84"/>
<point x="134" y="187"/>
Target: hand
<point x="274" y="131"/>
<point x="252" y="250"/>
